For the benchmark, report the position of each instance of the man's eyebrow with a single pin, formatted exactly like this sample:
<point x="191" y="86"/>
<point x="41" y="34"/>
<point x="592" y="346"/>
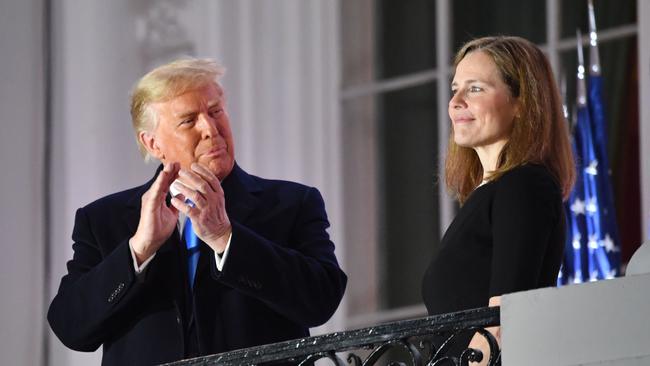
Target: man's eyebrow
<point x="189" y="113"/>
<point x="215" y="103"/>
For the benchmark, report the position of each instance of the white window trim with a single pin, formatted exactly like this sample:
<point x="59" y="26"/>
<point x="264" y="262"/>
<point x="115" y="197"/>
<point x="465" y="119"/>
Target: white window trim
<point x="643" y="39"/>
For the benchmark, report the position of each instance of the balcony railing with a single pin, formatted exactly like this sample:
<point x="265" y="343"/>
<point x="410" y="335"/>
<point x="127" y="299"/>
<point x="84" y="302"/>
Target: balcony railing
<point x="431" y="341"/>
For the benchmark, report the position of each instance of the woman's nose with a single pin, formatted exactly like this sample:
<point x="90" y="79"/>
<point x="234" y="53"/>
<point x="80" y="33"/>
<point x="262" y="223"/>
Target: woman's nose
<point x="456" y="100"/>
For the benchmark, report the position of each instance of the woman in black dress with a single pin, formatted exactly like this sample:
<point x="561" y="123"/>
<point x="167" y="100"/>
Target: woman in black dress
<point x="510" y="165"/>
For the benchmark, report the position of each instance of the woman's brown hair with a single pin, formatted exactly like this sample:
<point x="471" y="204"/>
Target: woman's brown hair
<point x="540" y="132"/>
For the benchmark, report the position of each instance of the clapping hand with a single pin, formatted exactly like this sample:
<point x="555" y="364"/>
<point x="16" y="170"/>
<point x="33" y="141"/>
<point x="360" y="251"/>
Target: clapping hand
<point x="157" y="220"/>
<point x="208" y="212"/>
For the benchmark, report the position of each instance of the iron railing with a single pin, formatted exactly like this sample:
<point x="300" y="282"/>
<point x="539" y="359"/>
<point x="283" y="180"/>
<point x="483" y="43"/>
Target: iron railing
<point x="431" y="341"/>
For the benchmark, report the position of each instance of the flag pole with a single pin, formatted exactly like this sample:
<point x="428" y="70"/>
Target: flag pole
<point x="594" y="58"/>
<point x="581" y="92"/>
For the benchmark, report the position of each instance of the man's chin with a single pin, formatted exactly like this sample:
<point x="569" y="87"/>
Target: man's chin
<point x="220" y="168"/>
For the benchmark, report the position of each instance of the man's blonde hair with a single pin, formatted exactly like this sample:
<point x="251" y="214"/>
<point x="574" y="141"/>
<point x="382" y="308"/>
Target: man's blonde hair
<point x="167" y="82"/>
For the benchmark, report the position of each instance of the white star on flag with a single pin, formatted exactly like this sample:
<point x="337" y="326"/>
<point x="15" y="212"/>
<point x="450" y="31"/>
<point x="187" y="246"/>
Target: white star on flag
<point x="578" y="207"/>
<point x="609" y="244"/>
<point x="576" y="244"/>
<point x="592" y="207"/>
<point x="593" y="242"/>
<point x="592" y="169"/>
<point x="578" y="277"/>
<point x="576" y="240"/>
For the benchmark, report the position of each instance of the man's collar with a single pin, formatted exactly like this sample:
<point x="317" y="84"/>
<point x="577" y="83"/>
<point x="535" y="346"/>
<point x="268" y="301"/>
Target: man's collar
<point x="237" y="181"/>
<point x="239" y="188"/>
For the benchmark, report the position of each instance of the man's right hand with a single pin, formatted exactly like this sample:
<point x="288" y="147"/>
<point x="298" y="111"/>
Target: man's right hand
<point x="157" y="220"/>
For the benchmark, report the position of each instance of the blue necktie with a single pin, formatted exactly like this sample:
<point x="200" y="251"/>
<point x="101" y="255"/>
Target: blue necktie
<point x="192" y="243"/>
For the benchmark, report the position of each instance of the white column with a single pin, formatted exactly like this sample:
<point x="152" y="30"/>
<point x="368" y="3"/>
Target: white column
<point x="97" y="58"/>
<point x="553" y="35"/>
<point x="643" y="39"/>
<point x="444" y="29"/>
<point x="328" y="67"/>
<point x="355" y="124"/>
<point x="21" y="161"/>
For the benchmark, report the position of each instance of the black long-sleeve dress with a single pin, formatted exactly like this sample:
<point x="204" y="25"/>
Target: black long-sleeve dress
<point x="507" y="237"/>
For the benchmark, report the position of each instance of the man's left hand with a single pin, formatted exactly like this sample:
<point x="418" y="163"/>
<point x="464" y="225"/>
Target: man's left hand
<point x="209" y="218"/>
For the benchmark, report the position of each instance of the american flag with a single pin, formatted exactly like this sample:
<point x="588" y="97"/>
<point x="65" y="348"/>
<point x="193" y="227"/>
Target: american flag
<point x="592" y="248"/>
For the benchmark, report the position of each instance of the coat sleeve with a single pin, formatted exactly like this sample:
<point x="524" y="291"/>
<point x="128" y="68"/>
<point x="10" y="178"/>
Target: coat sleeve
<point x="97" y="286"/>
<point x="299" y="279"/>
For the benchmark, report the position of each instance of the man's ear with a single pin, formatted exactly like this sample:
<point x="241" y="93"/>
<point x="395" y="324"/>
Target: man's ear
<point x="148" y="140"/>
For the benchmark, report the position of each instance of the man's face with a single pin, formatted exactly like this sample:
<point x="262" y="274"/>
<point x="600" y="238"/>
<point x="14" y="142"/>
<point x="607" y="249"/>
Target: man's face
<point x="193" y="128"/>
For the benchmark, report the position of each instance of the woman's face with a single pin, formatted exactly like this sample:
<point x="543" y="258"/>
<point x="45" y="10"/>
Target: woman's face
<point x="482" y="108"/>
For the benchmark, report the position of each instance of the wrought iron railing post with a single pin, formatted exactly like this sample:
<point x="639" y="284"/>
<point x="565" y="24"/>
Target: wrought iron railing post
<point x="432" y="341"/>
